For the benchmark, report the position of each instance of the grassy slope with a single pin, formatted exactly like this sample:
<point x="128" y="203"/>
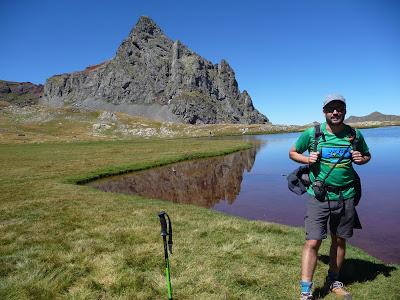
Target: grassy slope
<point x="43" y="124"/>
<point x="60" y="240"/>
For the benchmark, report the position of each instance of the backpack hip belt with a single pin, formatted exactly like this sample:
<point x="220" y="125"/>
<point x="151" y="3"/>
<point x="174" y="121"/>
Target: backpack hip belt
<point x="337" y="189"/>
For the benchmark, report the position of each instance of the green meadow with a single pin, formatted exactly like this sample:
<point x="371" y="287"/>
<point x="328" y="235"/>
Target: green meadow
<point x="61" y="240"/>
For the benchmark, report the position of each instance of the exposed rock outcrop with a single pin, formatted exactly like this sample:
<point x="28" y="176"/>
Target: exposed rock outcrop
<point x="20" y="93"/>
<point x="155" y="77"/>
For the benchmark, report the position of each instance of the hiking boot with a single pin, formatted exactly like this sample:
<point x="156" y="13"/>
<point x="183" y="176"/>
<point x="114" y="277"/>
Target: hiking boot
<point x="338" y="288"/>
<point x="306" y="296"/>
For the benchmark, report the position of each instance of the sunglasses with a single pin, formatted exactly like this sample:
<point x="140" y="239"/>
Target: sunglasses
<point x="331" y="109"/>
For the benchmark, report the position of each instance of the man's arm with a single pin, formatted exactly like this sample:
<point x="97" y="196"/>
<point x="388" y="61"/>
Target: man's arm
<point x="361" y="154"/>
<point x="359" y="158"/>
<point x="301" y="158"/>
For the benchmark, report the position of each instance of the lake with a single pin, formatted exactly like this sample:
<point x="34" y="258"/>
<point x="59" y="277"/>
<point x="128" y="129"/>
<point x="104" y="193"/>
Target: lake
<point x="252" y="184"/>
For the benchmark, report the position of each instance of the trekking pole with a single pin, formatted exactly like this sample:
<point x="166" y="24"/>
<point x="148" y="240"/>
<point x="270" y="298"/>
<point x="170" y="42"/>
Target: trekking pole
<point x="166" y="230"/>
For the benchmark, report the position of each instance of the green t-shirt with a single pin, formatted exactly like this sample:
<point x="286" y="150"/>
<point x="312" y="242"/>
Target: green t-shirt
<point x="331" y="147"/>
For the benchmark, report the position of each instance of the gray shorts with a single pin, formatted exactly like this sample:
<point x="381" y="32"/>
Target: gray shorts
<point x="340" y="215"/>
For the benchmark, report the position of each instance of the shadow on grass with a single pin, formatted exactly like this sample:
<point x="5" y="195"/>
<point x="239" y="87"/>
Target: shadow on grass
<point x="355" y="270"/>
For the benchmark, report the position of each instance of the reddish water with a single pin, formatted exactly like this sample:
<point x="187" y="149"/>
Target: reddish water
<point x="252" y="184"/>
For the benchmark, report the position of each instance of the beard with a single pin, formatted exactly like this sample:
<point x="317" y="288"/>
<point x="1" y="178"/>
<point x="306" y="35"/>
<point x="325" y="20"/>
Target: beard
<point x="334" y="120"/>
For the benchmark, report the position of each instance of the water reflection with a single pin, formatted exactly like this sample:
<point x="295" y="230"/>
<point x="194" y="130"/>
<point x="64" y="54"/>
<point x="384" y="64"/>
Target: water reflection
<point x="202" y="182"/>
<point x="250" y="184"/>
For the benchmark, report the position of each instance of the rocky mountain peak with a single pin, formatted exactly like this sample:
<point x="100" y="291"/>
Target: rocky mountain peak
<point x="376" y="114"/>
<point x="145" y="25"/>
<point x="155" y="77"/>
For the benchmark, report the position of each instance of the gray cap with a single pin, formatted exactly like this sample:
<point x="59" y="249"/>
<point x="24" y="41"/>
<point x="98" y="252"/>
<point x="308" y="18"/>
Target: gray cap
<point x="334" y="97"/>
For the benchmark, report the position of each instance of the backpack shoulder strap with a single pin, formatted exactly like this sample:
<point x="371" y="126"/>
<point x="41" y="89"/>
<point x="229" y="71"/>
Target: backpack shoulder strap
<point x="317" y="134"/>
<point x="353" y="138"/>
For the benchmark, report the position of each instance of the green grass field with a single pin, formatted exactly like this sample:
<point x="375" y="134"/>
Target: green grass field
<point x="60" y="240"/>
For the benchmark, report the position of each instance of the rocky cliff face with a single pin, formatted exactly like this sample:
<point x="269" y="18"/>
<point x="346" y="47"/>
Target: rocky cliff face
<point x="154" y="77"/>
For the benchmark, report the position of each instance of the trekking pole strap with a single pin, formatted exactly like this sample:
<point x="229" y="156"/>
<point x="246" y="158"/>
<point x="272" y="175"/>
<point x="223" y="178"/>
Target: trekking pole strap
<point x="169" y="234"/>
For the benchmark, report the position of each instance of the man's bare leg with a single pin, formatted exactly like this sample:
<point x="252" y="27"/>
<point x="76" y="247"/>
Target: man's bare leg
<point x="309" y="259"/>
<point x="336" y="260"/>
<point x="337" y="253"/>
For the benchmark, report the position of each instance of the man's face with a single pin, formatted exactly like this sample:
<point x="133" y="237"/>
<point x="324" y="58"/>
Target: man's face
<point x="334" y="112"/>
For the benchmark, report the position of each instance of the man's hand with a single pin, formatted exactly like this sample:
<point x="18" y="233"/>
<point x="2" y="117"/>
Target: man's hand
<point x="301" y="158"/>
<point x="313" y="157"/>
<point x="358" y="158"/>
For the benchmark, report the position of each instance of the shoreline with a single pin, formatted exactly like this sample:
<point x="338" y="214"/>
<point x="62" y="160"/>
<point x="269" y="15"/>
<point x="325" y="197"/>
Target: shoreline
<point x="41" y="124"/>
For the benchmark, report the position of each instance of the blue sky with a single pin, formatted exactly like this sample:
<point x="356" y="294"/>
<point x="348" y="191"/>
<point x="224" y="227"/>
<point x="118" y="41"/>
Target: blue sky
<point x="287" y="54"/>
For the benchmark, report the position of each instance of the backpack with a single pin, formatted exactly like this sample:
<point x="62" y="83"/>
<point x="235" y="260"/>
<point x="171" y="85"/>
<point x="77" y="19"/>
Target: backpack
<point x="299" y="180"/>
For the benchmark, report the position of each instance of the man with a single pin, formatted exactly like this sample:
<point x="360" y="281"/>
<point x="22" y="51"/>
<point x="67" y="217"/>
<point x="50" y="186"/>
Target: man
<point x="337" y="205"/>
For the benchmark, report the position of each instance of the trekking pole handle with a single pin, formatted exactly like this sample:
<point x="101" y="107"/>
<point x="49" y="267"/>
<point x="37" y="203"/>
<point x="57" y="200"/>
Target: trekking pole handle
<point x="169" y="234"/>
<point x="163" y="223"/>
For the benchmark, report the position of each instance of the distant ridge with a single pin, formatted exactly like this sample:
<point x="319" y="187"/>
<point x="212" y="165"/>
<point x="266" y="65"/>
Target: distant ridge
<point x="20" y="93"/>
<point x="375" y="116"/>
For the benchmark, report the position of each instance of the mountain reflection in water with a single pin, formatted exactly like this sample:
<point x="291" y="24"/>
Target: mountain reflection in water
<point x="254" y="188"/>
<point x="202" y="182"/>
